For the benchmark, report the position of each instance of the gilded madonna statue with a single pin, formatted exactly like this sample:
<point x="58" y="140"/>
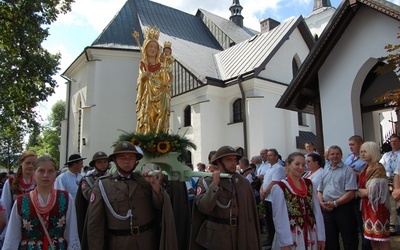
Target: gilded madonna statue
<point x="153" y="84"/>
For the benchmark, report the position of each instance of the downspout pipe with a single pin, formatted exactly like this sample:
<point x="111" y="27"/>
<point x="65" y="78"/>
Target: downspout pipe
<point x="69" y="82"/>
<point x="240" y="83"/>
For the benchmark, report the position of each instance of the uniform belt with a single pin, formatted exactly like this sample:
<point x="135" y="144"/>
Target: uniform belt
<point x="136" y="230"/>
<point x="231" y="221"/>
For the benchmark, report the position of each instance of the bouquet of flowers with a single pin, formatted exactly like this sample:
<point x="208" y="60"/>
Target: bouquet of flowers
<point x="156" y="145"/>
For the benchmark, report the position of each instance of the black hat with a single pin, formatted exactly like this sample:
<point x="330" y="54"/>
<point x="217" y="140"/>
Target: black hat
<point x="225" y="151"/>
<point x="73" y="158"/>
<point x="97" y="156"/>
<point x="126" y="147"/>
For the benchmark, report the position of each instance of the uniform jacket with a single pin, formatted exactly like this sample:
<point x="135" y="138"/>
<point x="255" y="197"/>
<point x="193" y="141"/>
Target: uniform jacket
<point x="81" y="203"/>
<point x="136" y="195"/>
<point x="231" y="198"/>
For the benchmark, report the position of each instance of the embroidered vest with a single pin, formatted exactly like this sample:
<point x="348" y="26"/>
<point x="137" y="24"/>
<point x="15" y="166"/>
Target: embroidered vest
<point x="299" y="209"/>
<point x="19" y="191"/>
<point x="33" y="235"/>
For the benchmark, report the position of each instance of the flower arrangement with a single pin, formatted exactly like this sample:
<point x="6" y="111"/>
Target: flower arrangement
<point x="156" y="145"/>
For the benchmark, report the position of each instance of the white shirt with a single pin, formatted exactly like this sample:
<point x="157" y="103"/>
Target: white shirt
<point x="14" y="230"/>
<point x="274" y="173"/>
<point x="316" y="177"/>
<point x="391" y="160"/>
<point x="8" y="201"/>
<point x="69" y="182"/>
<point x="263" y="168"/>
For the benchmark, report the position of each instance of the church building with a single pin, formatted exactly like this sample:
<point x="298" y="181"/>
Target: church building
<point x="232" y="85"/>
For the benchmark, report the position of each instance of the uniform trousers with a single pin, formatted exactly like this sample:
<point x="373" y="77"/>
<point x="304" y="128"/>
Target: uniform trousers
<point x="341" y="220"/>
<point x="269" y="221"/>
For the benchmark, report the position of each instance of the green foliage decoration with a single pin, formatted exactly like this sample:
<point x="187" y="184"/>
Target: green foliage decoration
<point x="156" y="145"/>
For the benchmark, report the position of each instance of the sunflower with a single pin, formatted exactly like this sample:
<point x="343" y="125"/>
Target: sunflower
<point x="163" y="147"/>
<point x="136" y="142"/>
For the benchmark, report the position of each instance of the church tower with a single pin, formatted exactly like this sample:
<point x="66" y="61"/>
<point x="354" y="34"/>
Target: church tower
<point x="236" y="13"/>
<point x="321" y="3"/>
<point x="319" y="17"/>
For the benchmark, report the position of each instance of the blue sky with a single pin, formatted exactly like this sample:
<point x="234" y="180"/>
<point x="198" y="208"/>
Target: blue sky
<point x="72" y="32"/>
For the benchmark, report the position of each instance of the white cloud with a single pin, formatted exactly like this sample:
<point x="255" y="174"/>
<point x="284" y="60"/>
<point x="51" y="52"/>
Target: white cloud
<point x="252" y="9"/>
<point x="395" y="1"/>
<point x="44" y="108"/>
<point x="96" y="13"/>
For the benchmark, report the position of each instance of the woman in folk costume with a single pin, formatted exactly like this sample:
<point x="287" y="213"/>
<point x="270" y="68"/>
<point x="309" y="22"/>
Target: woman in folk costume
<point x="374" y="193"/>
<point x="297" y="214"/>
<point x="21" y="183"/>
<point x="44" y="218"/>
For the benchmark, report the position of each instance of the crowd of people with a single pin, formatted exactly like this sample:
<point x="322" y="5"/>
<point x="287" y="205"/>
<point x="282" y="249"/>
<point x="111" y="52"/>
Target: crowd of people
<point x="307" y="201"/>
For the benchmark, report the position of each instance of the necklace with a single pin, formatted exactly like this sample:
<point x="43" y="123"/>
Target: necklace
<point x="26" y="185"/>
<point x="45" y="209"/>
<point x="154" y="67"/>
<point x="301" y="192"/>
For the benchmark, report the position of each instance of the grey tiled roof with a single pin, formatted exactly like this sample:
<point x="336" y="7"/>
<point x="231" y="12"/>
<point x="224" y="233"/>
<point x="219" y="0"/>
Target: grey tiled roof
<point x="138" y="13"/>
<point x="255" y="52"/>
<point x="236" y="33"/>
<point x="193" y="44"/>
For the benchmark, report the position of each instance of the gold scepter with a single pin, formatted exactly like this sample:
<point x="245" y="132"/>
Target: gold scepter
<point x="135" y="35"/>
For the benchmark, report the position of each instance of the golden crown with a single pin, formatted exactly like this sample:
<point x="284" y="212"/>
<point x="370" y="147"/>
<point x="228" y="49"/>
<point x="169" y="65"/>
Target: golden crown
<point x="167" y="44"/>
<point x="151" y="32"/>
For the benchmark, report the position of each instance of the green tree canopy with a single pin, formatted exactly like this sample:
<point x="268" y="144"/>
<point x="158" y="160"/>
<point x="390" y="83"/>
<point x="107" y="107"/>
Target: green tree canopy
<point x="392" y="63"/>
<point x="26" y="68"/>
<point x="48" y="140"/>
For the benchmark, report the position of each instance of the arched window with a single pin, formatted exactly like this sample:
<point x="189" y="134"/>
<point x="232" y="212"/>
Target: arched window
<point x="301" y="118"/>
<point x="187" y="121"/>
<point x="295" y="65"/>
<point x="237" y="111"/>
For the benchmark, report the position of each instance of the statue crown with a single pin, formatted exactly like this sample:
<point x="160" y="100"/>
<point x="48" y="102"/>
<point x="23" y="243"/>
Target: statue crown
<point x="151" y="32"/>
<point x="167" y="44"/>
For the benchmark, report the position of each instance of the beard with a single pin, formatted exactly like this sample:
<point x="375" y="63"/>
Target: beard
<point x="226" y="169"/>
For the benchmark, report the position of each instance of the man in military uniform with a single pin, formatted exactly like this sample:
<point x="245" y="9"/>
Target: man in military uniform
<point x="227" y="207"/>
<point x="127" y="206"/>
<point x="100" y="164"/>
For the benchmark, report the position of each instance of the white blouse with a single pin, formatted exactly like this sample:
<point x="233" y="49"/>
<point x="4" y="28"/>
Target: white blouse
<point x="14" y="233"/>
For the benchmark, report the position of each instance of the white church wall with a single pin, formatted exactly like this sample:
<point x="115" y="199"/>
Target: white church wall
<point x="109" y="96"/>
<point x="212" y="123"/>
<point x="279" y="68"/>
<point x="271" y="127"/>
<point x="317" y="22"/>
<point x="365" y="37"/>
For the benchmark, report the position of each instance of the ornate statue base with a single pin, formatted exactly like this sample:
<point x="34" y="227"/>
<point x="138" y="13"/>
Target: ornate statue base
<point x="168" y="164"/>
<point x="171" y="166"/>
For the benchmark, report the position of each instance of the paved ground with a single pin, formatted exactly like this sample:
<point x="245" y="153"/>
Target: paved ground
<point x="394" y="240"/>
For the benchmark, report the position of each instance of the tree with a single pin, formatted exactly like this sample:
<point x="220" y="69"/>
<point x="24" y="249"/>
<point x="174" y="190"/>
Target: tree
<point x="392" y="63"/>
<point x="26" y="68"/>
<point x="33" y="137"/>
<point x="10" y="146"/>
<point x="49" y="140"/>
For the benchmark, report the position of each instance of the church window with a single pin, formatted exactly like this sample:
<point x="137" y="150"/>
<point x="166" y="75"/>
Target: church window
<point x="237" y="111"/>
<point x="187" y="117"/>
